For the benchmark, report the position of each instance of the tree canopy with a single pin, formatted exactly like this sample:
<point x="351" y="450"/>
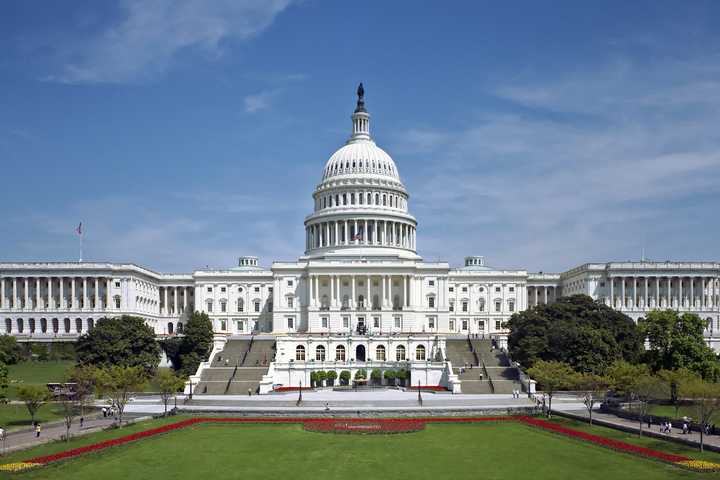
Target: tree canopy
<point x="587" y="335"/>
<point x="193" y="347"/>
<point x="10" y="351"/>
<point x="125" y="341"/>
<point x="676" y="341"/>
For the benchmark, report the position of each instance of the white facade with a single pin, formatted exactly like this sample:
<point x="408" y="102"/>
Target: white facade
<point x="359" y="283"/>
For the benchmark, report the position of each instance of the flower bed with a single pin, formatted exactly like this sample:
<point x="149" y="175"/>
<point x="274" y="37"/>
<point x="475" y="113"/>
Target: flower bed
<point x="290" y="389"/>
<point x="372" y="426"/>
<point x="364" y="425"/>
<point x="429" y="388"/>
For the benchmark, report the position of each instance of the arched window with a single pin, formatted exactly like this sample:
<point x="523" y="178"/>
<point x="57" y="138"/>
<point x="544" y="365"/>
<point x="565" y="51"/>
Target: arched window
<point x="31" y="323"/>
<point x="66" y="324"/>
<point x="400" y="353"/>
<point x="8" y="325"/>
<point x="420" y="352"/>
<point x="300" y="353"/>
<point x="170" y="328"/>
<point x="481" y="304"/>
<point x="377" y="199"/>
<point x="340" y="353"/>
<point x="20" y="325"/>
<point x="240" y="305"/>
<point x="91" y="323"/>
<point x="43" y="325"/>
<point x="380" y="353"/>
<point x="180" y="327"/>
<point x="55" y="325"/>
<point x="78" y="325"/>
<point x="320" y="353"/>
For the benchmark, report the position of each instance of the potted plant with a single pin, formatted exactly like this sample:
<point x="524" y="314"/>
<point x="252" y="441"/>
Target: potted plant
<point x="376" y="376"/>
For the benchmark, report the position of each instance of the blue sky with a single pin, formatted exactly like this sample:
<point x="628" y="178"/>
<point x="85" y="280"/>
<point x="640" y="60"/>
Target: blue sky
<point x="186" y="133"/>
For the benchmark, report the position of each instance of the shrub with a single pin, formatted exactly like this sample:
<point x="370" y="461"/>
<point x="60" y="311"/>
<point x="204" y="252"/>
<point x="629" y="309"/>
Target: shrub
<point x="320" y="377"/>
<point x="345" y="376"/>
<point x="390" y="376"/>
<point x="376" y="376"/>
<point x="331" y="375"/>
<point x="361" y="374"/>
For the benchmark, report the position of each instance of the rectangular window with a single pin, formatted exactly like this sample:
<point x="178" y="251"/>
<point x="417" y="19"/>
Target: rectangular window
<point x="222" y="289"/>
<point x="257" y="306"/>
<point x="209" y="289"/>
<point x="498" y="306"/>
<point x="452" y="289"/>
<point x="431" y="302"/>
<point x="209" y="307"/>
<point x="290" y="302"/>
<point x="464" y="306"/>
<point x="452" y="324"/>
<point x="452" y="306"/>
<point x="223" y="325"/>
<point x="117" y="284"/>
<point x="376" y="322"/>
<point x="240" y="326"/>
<point x="223" y="307"/>
<point x="291" y="323"/>
<point x="511" y="306"/>
<point x="398" y="322"/>
<point x="464" y="324"/>
<point x="498" y="324"/>
<point x="431" y="283"/>
<point x="324" y="322"/>
<point x="481" y="325"/>
<point x="346" y="322"/>
<point x="464" y="289"/>
<point x="497" y="289"/>
<point x="257" y="289"/>
<point x="431" y="323"/>
<point x="512" y="289"/>
<point x="289" y="283"/>
<point x="117" y="302"/>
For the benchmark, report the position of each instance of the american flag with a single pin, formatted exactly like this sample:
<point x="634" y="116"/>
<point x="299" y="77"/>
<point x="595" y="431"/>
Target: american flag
<point x="358" y="235"/>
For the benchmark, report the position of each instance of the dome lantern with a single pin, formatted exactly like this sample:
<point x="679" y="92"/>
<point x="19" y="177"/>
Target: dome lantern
<point x="360" y="118"/>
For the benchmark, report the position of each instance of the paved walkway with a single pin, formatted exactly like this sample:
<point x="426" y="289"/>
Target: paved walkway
<point x="26" y="438"/>
<point x="713" y="440"/>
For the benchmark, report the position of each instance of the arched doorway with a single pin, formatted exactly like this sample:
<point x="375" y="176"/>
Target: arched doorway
<point x="360" y="353"/>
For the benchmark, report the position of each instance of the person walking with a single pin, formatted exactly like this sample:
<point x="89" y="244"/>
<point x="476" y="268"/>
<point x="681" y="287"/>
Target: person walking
<point x="37" y="430"/>
<point x="249" y="392"/>
<point x="82" y="420"/>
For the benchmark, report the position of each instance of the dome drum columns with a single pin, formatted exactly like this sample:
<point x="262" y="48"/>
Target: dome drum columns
<point x="360" y="232"/>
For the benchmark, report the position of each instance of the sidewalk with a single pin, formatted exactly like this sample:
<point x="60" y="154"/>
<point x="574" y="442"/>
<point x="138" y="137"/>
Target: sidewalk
<point x="693" y="438"/>
<point x="22" y="439"/>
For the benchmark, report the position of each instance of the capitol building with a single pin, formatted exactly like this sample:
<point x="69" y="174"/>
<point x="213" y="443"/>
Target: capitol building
<point x="358" y="297"/>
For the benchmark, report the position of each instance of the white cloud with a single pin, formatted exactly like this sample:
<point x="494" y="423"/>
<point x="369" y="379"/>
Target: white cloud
<point x="153" y="33"/>
<point x="260" y="101"/>
<point x="599" y="164"/>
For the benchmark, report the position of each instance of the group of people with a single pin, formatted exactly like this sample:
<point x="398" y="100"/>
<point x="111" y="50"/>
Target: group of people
<point x="111" y="411"/>
<point x="516" y="393"/>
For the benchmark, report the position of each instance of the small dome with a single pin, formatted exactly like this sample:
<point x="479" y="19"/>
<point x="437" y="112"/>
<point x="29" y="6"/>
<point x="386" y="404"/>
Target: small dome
<point x="361" y="157"/>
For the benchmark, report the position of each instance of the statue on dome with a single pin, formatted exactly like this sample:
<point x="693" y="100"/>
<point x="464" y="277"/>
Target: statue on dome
<point x="361" y="98"/>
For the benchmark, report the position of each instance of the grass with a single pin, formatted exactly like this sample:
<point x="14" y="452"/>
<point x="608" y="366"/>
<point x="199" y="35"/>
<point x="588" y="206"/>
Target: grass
<point x="15" y="416"/>
<point x="36" y="373"/>
<point x="504" y="450"/>
<point x="684" y="410"/>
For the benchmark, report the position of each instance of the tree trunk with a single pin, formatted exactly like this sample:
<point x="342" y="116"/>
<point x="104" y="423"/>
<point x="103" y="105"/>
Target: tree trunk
<point x="549" y="405"/>
<point x="590" y="412"/>
<point x="702" y="428"/>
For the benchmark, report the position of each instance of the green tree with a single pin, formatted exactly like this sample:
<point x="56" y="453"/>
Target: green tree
<point x="361" y="374"/>
<point x="10" y="351"/>
<point x="4" y="381"/>
<point x="196" y="343"/>
<point x="169" y="384"/>
<point x="552" y="376"/>
<point x="376" y="376"/>
<point x="677" y="341"/>
<point x="69" y="408"/>
<point x="34" y="397"/>
<point x="673" y="380"/>
<point x="593" y="387"/>
<point x="125" y="340"/>
<point x="320" y="377"/>
<point x="331" y="375"/>
<point x="345" y="377"/>
<point x="644" y="389"/>
<point x="390" y="376"/>
<point x="705" y="397"/>
<point x="587" y="335"/>
<point x="623" y="375"/>
<point x="118" y="382"/>
<point x="83" y="378"/>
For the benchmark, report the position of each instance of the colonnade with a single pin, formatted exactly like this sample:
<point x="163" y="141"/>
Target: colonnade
<point x="680" y="292"/>
<point x="55" y="293"/>
<point x="542" y="294"/>
<point x="362" y="297"/>
<point x="175" y="300"/>
<point x="360" y="232"/>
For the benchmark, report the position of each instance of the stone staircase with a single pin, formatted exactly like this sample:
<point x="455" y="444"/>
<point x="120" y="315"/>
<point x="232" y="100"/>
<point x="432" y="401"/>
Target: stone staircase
<point x="239" y="367"/>
<point x="501" y="378"/>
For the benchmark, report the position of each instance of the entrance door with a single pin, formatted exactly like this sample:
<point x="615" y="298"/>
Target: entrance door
<point x="360" y="353"/>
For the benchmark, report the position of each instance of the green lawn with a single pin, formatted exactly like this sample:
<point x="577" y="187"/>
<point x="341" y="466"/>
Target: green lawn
<point x="504" y="450"/>
<point x="684" y="410"/>
<point x="14" y="416"/>
<point x="35" y="372"/>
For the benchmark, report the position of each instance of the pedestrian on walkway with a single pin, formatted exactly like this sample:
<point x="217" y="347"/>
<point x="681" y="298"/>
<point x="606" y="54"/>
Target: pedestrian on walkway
<point x="82" y="420"/>
<point x="249" y="392"/>
<point x="37" y="430"/>
<point x="685" y="429"/>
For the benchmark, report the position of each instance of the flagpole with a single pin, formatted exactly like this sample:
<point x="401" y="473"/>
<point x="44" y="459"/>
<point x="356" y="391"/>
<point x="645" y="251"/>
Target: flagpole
<point x="81" y="245"/>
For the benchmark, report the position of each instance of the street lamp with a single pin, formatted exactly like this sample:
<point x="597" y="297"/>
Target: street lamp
<point x="299" y="400"/>
<point x="419" y="394"/>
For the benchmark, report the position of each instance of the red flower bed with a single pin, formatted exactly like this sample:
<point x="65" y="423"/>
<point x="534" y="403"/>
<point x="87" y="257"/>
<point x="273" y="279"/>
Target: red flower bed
<point x="605" y="442"/>
<point x="364" y="425"/>
<point x="290" y="389"/>
<point x="368" y="425"/>
<point x="431" y="388"/>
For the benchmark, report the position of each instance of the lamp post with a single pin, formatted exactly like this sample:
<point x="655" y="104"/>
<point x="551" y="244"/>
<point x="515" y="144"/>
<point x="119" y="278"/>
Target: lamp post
<point x="299" y="400"/>
<point x="419" y="394"/>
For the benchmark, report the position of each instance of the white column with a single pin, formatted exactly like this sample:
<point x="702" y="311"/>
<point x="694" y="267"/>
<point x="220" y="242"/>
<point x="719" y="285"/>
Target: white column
<point x="368" y="304"/>
<point x="108" y="294"/>
<point x="84" y="293"/>
<point x="165" y="304"/>
<point x="537" y="300"/>
<point x="37" y="293"/>
<point x="2" y="292"/>
<point x="645" y="292"/>
<point x="73" y="302"/>
<point x="622" y="289"/>
<point x="545" y="289"/>
<point x="185" y="300"/>
<point x="27" y="292"/>
<point x="176" y="301"/>
<point x="97" y="292"/>
<point x="382" y="292"/>
<point x="612" y="291"/>
<point x="366" y="234"/>
<point x="14" y="293"/>
<point x="692" y="293"/>
<point x="680" y="294"/>
<point x="669" y="293"/>
<point x="355" y="232"/>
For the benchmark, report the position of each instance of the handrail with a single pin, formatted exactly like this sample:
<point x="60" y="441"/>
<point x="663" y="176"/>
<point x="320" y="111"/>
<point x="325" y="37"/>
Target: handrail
<point x="485" y="372"/>
<point x="252" y="339"/>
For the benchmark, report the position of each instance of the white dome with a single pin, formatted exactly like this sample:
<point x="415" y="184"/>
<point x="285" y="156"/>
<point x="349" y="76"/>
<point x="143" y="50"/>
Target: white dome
<point x="361" y="157"/>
